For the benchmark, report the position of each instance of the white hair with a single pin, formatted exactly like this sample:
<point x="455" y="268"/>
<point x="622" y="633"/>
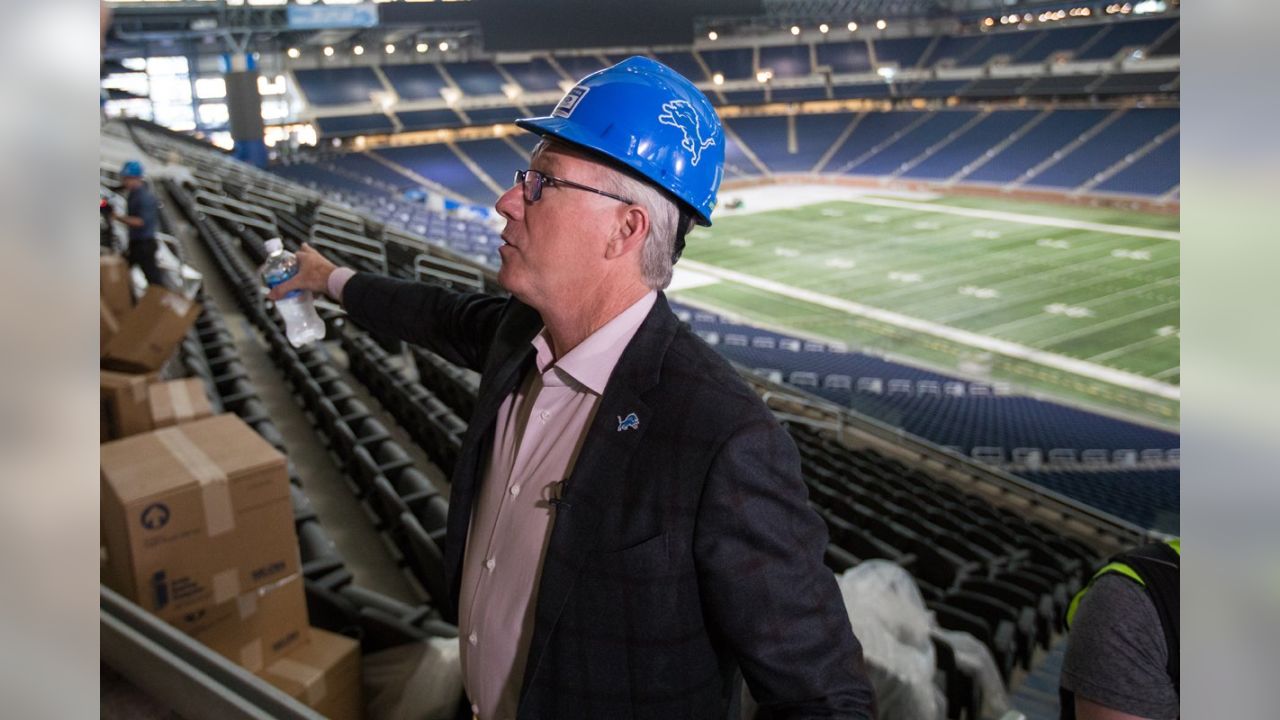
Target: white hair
<point x="659" y="245"/>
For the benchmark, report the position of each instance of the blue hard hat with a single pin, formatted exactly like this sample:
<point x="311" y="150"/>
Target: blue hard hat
<point x="650" y="118"/>
<point x="131" y="168"/>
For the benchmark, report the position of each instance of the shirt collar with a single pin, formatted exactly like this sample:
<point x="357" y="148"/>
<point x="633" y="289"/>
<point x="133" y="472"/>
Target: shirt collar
<point x="591" y="363"/>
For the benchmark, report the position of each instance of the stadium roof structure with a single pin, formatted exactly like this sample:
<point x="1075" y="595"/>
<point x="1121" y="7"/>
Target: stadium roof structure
<point x="209" y="27"/>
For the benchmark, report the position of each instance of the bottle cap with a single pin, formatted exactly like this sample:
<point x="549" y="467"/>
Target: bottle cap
<point x="273" y="245"/>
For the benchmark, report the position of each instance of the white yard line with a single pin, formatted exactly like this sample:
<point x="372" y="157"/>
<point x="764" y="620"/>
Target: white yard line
<point x="1166" y="373"/>
<point x="1130" y="347"/>
<point x="1025" y="219"/>
<point x="1120" y="320"/>
<point x="1042" y="295"/>
<point x="1006" y="326"/>
<point x="1004" y="347"/>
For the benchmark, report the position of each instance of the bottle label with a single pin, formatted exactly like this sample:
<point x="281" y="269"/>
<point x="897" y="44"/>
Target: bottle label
<point x="275" y="278"/>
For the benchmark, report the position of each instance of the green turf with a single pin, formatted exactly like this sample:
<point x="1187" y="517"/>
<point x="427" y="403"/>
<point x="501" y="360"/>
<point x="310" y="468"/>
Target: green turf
<point x="1110" y="299"/>
<point x="1105" y="215"/>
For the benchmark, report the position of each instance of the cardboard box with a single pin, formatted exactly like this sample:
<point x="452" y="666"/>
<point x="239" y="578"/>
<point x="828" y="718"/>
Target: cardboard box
<point x="113" y="284"/>
<point x="177" y="401"/>
<point x="150" y="332"/>
<point x="195" y="515"/>
<point x="255" y="629"/>
<point x="324" y="675"/>
<point x="108" y="326"/>
<point x="125" y="402"/>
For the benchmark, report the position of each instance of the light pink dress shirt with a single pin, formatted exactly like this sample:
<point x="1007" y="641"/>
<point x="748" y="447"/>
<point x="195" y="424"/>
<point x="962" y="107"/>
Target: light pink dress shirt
<point x="540" y="430"/>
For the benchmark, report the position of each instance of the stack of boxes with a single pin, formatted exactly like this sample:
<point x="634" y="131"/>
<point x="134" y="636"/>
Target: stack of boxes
<point x="197" y="521"/>
<point x="136" y="342"/>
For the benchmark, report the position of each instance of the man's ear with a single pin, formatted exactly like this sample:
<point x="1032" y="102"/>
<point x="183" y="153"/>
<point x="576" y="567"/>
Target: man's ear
<point x="629" y="233"/>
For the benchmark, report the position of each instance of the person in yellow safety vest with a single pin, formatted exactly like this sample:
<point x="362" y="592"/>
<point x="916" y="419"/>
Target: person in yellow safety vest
<point x="1122" y="648"/>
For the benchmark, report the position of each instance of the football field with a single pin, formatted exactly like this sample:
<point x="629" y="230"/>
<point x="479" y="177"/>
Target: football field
<point x="1076" y="303"/>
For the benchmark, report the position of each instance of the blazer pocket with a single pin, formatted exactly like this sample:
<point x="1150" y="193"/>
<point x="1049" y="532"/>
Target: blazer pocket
<point x="642" y="561"/>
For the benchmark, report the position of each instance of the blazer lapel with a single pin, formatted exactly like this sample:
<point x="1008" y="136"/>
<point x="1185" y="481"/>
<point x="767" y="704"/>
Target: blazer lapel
<point x="599" y="473"/>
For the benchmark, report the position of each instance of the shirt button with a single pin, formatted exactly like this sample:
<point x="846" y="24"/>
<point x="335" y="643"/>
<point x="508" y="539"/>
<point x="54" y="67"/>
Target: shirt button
<point x="515" y="490"/>
<point x="489" y="563"/>
<point x="473" y="639"/>
<point x="546" y="414"/>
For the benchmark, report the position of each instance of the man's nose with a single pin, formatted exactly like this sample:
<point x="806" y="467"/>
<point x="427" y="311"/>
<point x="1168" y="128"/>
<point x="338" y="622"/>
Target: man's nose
<point x="511" y="204"/>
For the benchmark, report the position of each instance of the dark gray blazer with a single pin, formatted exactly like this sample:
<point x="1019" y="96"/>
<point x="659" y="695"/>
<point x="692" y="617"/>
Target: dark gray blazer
<point x="684" y="550"/>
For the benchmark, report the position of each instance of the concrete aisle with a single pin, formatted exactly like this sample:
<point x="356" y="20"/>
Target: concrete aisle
<point x="340" y="512"/>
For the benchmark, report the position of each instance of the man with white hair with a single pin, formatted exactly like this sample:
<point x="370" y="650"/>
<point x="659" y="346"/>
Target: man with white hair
<point x="629" y="534"/>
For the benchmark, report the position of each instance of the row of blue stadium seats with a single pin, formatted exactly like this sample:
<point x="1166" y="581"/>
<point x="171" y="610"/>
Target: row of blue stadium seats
<point x="483" y="78"/>
<point x="986" y="88"/>
<point x="922" y="145"/>
<point x="944" y="409"/>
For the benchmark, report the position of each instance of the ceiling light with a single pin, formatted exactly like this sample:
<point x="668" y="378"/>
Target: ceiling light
<point x="795" y="29"/>
<point x="391" y="49"/>
<point x="718" y="78"/>
<point x="823" y="28"/>
<point x="294" y="53"/>
<point x="881" y="24"/>
<point x="328" y="51"/>
<point x="358" y="50"/>
<point x="444" y="46"/>
<point x="423" y="47"/>
<point x="853" y="26"/>
<point x="713" y="35"/>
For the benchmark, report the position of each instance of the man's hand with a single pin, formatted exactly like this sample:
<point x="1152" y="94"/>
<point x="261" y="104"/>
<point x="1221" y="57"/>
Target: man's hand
<point x="313" y="274"/>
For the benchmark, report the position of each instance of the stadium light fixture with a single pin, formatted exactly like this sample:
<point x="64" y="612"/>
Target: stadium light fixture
<point x="444" y="46"/>
<point x="423" y="47"/>
<point x="824" y="28"/>
<point x="358" y="50"/>
<point x="713" y="35"/>
<point x="989" y="22"/>
<point x="853" y="26"/>
<point x="718" y="78"/>
<point x="328" y="51"/>
<point x="881" y="24"/>
<point x="294" y="53"/>
<point x="764" y="76"/>
<point x="795" y="29"/>
<point x="391" y="49"/>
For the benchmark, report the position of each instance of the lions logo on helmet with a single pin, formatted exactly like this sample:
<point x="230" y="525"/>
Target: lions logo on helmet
<point x="680" y="114"/>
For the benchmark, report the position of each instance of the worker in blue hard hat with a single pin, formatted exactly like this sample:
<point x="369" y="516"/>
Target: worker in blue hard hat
<point x="628" y="531"/>
<point x="141" y="218"/>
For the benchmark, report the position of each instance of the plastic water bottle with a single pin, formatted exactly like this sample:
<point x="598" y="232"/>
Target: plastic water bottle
<point x="302" y="324"/>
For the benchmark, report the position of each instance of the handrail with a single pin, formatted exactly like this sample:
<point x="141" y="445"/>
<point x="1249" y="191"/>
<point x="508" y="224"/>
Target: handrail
<point x="271" y="229"/>
<point x="349" y="243"/>
<point x="182" y="673"/>
<point x="449" y="271"/>
<point x="264" y="217"/>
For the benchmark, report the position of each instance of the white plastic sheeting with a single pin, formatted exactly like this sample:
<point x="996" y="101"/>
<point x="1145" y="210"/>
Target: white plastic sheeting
<point x="419" y="681"/>
<point x="892" y="623"/>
